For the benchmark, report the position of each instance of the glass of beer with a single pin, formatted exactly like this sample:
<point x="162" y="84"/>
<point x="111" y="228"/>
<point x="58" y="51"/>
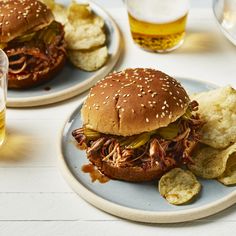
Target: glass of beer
<point x="3" y="93"/>
<point x="158" y="25"/>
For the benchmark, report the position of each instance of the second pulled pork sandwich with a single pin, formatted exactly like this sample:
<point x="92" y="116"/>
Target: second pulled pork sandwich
<point x="32" y="40"/>
<point x="138" y="124"/>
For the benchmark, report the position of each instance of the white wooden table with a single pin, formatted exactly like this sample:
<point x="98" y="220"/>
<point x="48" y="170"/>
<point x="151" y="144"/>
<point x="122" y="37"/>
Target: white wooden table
<point x="35" y="199"/>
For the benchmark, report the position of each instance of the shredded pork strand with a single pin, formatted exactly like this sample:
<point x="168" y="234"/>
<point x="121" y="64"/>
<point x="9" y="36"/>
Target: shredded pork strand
<point x="35" y="56"/>
<point x="157" y="151"/>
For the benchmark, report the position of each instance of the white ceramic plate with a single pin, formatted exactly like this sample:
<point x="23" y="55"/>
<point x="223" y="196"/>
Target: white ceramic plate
<point x="138" y="201"/>
<point x="71" y="81"/>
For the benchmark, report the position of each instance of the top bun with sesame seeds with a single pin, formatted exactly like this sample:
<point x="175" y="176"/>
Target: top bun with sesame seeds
<point x="18" y="17"/>
<point x="134" y="101"/>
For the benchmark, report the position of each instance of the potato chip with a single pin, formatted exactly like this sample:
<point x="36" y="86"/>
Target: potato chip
<point x="60" y="13"/>
<point x="89" y="60"/>
<point x="210" y="163"/>
<point x="229" y="176"/>
<point x="85" y="36"/>
<point x="99" y="21"/>
<point x="77" y="12"/>
<point x="179" y="186"/>
<point x="219" y="131"/>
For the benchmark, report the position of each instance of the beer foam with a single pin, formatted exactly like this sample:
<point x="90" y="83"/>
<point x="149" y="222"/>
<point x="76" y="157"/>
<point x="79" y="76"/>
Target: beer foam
<point x="158" y="11"/>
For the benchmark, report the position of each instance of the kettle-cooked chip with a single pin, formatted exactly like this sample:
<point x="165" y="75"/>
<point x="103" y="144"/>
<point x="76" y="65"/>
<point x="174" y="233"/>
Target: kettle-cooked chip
<point x="89" y="60"/>
<point x="86" y="36"/>
<point x="179" y="186"/>
<point x="60" y="13"/>
<point x="229" y="176"/>
<point x="220" y="127"/>
<point x="77" y="12"/>
<point x="210" y="163"/>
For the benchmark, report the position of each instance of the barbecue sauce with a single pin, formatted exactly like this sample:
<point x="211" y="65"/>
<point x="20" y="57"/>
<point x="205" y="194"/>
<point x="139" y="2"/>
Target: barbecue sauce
<point x="94" y="173"/>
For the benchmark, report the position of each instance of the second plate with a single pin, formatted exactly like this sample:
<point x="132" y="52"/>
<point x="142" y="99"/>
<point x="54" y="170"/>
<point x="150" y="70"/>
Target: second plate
<point x="71" y="81"/>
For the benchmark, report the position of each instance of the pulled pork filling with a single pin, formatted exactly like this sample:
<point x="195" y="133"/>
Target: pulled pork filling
<point x="35" y="52"/>
<point x="167" y="146"/>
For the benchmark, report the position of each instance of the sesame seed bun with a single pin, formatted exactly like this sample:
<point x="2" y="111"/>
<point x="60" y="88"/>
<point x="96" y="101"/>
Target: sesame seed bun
<point x="18" y="17"/>
<point x="134" y="101"/>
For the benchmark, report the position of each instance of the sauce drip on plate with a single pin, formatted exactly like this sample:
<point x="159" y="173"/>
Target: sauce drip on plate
<point x="94" y="173"/>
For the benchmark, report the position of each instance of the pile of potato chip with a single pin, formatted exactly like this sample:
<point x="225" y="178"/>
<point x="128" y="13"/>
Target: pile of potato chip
<point x="84" y="34"/>
<point x="215" y="158"/>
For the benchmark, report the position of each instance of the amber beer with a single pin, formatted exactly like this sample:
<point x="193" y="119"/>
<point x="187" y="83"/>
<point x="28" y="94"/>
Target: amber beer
<point x="158" y="25"/>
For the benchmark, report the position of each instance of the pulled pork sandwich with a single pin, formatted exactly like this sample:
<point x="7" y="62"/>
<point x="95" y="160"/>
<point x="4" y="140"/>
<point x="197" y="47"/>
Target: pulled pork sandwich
<point x="32" y="40"/>
<point x="138" y="124"/>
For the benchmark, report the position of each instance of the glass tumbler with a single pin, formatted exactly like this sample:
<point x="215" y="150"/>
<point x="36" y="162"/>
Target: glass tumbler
<point x="158" y="25"/>
<point x="3" y="94"/>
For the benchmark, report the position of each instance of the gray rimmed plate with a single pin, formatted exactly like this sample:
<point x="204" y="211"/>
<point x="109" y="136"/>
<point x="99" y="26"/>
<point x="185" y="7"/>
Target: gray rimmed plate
<point x="71" y="81"/>
<point x="138" y="201"/>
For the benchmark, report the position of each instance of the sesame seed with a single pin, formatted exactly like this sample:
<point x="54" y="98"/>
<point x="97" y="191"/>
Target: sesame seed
<point x="140" y="95"/>
<point x="118" y="107"/>
<point x="157" y="115"/>
<point x="132" y="110"/>
<point x="124" y="100"/>
<point x="163" y="108"/>
<point x="142" y="105"/>
<point x="147" y="120"/>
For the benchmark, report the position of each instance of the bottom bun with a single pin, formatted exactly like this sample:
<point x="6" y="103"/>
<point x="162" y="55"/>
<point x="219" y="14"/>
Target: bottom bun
<point x="36" y="78"/>
<point x="131" y="174"/>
